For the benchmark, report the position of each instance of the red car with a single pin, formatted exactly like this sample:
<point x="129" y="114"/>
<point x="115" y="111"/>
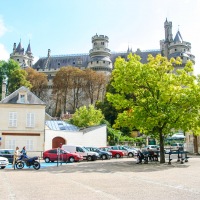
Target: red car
<point x="115" y="153"/>
<point x="52" y="155"/>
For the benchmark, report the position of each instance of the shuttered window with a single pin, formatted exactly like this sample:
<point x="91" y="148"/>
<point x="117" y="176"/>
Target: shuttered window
<point x="30" y="120"/>
<point x="12" y="119"/>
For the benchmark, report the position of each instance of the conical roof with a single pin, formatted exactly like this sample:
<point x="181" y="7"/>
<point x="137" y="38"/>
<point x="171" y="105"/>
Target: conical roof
<point x="29" y="48"/>
<point x="20" y="49"/>
<point x="178" y="37"/>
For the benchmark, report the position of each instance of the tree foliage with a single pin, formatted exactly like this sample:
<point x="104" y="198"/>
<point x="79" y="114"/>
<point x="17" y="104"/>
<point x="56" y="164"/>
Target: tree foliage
<point x="85" y="117"/>
<point x="17" y="79"/>
<point x="73" y="87"/>
<point x="6" y="68"/>
<point x="94" y="85"/>
<point x="156" y="98"/>
<point x="38" y="81"/>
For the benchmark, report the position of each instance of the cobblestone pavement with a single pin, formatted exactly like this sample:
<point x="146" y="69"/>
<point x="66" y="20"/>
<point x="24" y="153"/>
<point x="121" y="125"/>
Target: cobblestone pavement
<point x="115" y="179"/>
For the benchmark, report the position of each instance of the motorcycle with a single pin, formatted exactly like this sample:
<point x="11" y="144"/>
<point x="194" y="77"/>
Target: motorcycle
<point x="20" y="163"/>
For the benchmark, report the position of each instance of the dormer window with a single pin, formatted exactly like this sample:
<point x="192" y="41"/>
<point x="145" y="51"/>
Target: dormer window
<point x="22" y="98"/>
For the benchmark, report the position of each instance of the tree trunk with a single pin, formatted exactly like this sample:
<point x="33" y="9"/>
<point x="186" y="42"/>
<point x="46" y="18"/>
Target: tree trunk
<point x="195" y="144"/>
<point x="162" y="151"/>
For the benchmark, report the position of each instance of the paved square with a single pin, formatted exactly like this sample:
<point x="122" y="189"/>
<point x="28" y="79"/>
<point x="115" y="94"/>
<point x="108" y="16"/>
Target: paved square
<point x="115" y="179"/>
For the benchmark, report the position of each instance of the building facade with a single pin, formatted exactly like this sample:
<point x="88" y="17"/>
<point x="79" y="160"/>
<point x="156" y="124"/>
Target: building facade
<point x="22" y="121"/>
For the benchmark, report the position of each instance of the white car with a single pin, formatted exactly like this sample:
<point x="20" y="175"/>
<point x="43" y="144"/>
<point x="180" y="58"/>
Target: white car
<point x="178" y="136"/>
<point x="3" y="162"/>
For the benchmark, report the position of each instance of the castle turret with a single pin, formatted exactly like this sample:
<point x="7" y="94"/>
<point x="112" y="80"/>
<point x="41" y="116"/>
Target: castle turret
<point x="177" y="47"/>
<point x="181" y="48"/>
<point x="100" y="54"/>
<point x="25" y="59"/>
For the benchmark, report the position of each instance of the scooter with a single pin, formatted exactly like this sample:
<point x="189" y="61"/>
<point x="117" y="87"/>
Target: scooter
<point x="21" y="162"/>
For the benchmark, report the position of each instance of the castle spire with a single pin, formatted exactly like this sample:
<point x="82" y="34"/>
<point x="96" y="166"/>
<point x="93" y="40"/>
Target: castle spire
<point x="28" y="48"/>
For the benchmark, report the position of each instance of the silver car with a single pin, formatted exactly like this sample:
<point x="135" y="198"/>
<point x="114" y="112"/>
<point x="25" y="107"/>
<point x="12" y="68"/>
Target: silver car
<point x="3" y="162"/>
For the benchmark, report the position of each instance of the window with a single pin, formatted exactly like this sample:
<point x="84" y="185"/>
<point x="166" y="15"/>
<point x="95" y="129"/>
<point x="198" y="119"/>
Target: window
<point x="174" y="49"/>
<point x="30" y="120"/>
<point x="78" y="149"/>
<point x="97" y="61"/>
<point x="102" y="43"/>
<point x="12" y="119"/>
<point x="53" y="151"/>
<point x="29" y="145"/>
<point x="22" y="98"/>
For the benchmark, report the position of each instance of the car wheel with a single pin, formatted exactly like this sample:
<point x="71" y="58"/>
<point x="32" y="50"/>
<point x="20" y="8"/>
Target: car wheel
<point x="47" y="160"/>
<point x="89" y="158"/>
<point x="3" y="167"/>
<point x="130" y="155"/>
<point x="104" y="157"/>
<point x="117" y="156"/>
<point x="71" y="159"/>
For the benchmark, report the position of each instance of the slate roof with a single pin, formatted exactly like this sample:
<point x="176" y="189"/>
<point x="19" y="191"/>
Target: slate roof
<point x="28" y="48"/>
<point x="58" y="125"/>
<point x="31" y="98"/>
<point x="178" y="37"/>
<point x="56" y="62"/>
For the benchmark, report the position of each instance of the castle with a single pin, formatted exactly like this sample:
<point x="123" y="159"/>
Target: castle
<point x="100" y="58"/>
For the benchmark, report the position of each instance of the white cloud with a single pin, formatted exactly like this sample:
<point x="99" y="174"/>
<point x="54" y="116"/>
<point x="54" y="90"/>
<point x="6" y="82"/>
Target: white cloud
<point x="4" y="55"/>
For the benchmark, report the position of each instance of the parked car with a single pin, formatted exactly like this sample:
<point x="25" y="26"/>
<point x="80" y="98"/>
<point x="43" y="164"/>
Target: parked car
<point x="3" y="162"/>
<point x="120" y="148"/>
<point x="178" y="136"/>
<point x="102" y="154"/>
<point x="152" y="147"/>
<point x="115" y="153"/>
<point x="7" y="153"/>
<point x="176" y="146"/>
<point x="128" y="151"/>
<point x="88" y="155"/>
<point x="51" y="155"/>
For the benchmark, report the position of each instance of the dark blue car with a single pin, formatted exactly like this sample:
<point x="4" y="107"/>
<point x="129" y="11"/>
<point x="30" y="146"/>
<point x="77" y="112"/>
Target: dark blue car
<point x="102" y="154"/>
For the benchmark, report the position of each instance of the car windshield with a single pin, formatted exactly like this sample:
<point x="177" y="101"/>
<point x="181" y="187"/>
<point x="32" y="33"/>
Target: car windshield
<point x="84" y="149"/>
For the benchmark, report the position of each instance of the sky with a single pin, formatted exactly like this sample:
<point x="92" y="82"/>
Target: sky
<point x="66" y="26"/>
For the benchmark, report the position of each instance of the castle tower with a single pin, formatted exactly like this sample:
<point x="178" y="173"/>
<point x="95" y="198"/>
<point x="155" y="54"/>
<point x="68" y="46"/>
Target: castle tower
<point x="25" y="59"/>
<point x="100" y="54"/>
<point x="177" y="47"/>
<point x="180" y="48"/>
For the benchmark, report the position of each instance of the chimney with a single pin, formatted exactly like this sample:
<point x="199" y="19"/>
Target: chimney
<point x="3" y="90"/>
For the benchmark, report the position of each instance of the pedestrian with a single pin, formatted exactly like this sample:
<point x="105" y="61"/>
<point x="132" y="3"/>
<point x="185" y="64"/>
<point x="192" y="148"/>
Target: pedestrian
<point x="16" y="155"/>
<point x="23" y="153"/>
<point x="140" y="157"/>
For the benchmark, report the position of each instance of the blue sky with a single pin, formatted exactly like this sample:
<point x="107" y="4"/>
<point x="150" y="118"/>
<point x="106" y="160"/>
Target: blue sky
<point x="66" y="26"/>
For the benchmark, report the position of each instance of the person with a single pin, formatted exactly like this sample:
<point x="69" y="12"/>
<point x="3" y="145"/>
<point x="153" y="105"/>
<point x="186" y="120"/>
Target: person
<point x="16" y="155"/>
<point x="23" y="153"/>
<point x="140" y="156"/>
<point x="151" y="154"/>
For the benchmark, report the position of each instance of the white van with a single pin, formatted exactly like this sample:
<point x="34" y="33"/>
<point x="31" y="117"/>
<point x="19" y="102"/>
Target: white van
<point x="88" y="155"/>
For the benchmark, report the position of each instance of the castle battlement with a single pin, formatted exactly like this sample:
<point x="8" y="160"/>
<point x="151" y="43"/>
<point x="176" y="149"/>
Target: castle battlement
<point x="100" y="37"/>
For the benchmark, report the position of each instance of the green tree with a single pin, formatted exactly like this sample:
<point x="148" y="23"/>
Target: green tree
<point x="6" y="69"/>
<point x="17" y="79"/>
<point x="85" y="117"/>
<point x="156" y="98"/>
